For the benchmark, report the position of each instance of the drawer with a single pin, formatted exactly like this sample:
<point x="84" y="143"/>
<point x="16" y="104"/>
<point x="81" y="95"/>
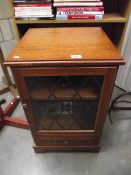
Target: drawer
<point x="68" y="141"/>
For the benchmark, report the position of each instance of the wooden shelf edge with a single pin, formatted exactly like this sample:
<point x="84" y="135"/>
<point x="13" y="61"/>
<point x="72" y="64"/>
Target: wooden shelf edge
<point x="108" y="18"/>
<point x="65" y="94"/>
<point x="64" y="99"/>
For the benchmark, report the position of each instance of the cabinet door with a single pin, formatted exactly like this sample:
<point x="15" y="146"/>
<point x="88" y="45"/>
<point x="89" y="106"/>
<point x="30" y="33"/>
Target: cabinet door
<point x="65" y="101"/>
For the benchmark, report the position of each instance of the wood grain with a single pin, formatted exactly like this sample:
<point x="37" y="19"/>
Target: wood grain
<point x="58" y="44"/>
<point x="47" y="52"/>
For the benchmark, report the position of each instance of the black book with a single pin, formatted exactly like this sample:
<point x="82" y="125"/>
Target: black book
<point x="35" y="18"/>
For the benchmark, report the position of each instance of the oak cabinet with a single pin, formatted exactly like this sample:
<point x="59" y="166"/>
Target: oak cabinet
<point x="65" y="99"/>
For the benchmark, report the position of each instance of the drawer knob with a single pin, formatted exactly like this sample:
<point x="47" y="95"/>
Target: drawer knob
<point x="24" y="105"/>
<point x="66" y="142"/>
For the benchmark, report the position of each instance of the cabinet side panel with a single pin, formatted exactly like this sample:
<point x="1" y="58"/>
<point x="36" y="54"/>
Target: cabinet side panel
<point x="105" y="98"/>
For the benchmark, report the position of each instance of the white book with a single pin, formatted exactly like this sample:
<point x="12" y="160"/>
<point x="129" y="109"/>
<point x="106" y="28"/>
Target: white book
<point x="28" y="16"/>
<point x="33" y="11"/>
<point x="57" y="4"/>
<point x="32" y="8"/>
<point x="80" y="12"/>
<point x="32" y="14"/>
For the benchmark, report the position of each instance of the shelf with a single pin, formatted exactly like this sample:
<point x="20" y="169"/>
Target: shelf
<point x="108" y="18"/>
<point x="65" y="122"/>
<point x="42" y="93"/>
<point x="68" y="116"/>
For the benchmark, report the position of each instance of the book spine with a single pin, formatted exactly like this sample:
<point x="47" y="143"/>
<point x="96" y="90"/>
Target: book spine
<point x="85" y="16"/>
<point x="31" y="15"/>
<point x="31" y="2"/>
<point x="22" y="1"/>
<point x="33" y="5"/>
<point x="77" y="0"/>
<point x="66" y="17"/>
<point x="78" y="4"/>
<point x="101" y="8"/>
<point x="20" y="9"/>
<point x="34" y="18"/>
<point x="17" y="14"/>
<point x="80" y="13"/>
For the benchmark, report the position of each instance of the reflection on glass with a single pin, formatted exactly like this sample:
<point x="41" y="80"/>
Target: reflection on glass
<point x="65" y="103"/>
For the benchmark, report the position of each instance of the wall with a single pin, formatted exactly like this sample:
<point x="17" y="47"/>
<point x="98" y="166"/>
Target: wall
<point x="7" y="30"/>
<point x="124" y="74"/>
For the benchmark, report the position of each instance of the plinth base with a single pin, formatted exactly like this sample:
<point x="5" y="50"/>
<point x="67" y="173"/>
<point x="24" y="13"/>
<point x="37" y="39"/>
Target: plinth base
<point x="41" y="149"/>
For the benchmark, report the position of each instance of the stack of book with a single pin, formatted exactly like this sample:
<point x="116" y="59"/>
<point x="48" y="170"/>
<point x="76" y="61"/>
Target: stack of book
<point x="33" y="9"/>
<point x="76" y="9"/>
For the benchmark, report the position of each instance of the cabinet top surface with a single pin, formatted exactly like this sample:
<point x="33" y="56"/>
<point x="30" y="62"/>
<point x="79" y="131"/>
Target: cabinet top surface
<point x="79" y="45"/>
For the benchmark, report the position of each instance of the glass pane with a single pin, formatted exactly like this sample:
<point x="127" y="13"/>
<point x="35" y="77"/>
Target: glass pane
<point x="65" y="103"/>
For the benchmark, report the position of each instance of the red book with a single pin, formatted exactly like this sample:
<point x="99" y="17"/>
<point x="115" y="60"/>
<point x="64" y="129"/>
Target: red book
<point x="65" y="9"/>
<point x="84" y="16"/>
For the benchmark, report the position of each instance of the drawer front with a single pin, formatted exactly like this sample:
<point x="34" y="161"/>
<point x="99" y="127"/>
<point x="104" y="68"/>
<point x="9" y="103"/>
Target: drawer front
<point x="67" y="141"/>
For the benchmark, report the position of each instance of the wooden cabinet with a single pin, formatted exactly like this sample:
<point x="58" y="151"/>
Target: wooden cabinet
<point x="65" y="85"/>
<point x="114" y="22"/>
